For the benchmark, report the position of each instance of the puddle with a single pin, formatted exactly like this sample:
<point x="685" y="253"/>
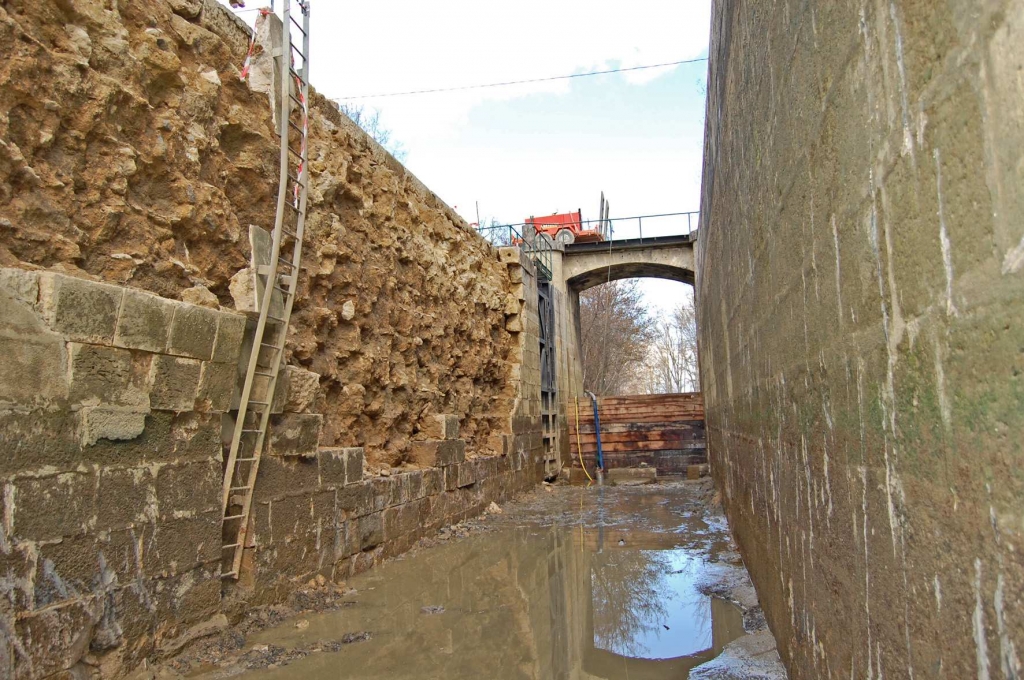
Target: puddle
<point x="575" y="583"/>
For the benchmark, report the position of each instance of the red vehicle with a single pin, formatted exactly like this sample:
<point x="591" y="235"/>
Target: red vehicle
<point x="569" y="228"/>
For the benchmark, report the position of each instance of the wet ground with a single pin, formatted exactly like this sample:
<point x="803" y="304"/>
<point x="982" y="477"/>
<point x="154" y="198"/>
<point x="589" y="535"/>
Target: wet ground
<point x="569" y="582"/>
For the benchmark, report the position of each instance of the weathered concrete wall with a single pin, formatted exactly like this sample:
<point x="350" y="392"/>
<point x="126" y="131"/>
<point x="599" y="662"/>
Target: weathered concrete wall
<point x="130" y="151"/>
<point x="110" y="426"/>
<point x="860" y="273"/>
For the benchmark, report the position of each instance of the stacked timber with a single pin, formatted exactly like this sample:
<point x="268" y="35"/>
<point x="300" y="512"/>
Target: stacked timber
<point x="665" y="431"/>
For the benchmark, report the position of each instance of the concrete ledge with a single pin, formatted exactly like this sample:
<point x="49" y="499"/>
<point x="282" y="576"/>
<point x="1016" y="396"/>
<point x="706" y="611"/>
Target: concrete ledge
<point x="628" y="476"/>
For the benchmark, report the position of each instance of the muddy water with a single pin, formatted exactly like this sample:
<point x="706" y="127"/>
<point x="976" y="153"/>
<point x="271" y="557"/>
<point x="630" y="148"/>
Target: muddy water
<point x="576" y="582"/>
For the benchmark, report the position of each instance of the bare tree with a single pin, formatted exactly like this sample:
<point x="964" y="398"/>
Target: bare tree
<point x="616" y="330"/>
<point x="671" y="362"/>
<point x="371" y="124"/>
<point x="497" y="232"/>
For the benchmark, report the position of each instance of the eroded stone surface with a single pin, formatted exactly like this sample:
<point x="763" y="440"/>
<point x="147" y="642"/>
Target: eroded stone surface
<point x="141" y="160"/>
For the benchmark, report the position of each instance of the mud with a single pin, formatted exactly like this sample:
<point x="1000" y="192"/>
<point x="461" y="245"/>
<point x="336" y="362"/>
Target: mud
<point x="613" y="582"/>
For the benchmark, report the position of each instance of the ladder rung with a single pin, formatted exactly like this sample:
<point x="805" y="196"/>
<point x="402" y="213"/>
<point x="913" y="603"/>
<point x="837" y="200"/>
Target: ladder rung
<point x="287" y="262"/>
<point x="297" y="180"/>
<point x="299" y="50"/>
<point x="299" y="27"/>
<point x="297" y="75"/>
<point x="259" y="403"/>
<point x="263" y="344"/>
<point x="230" y="517"/>
<point x="296" y="100"/>
<point x="283" y="290"/>
<point x="266" y="375"/>
<point x="229" y="574"/>
<point x="297" y="154"/>
<point x="239" y="488"/>
<point x="245" y="460"/>
<point x="244" y="431"/>
<point x="229" y="545"/>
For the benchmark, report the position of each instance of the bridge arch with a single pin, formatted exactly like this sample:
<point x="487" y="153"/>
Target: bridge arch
<point x="586" y="265"/>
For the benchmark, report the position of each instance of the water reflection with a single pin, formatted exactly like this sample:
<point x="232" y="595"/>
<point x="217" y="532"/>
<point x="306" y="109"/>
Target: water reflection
<point x="529" y="603"/>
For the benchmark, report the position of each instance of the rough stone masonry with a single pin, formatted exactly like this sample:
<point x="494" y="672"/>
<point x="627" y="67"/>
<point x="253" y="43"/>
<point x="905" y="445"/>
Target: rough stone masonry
<point x="132" y="153"/>
<point x="861" y="300"/>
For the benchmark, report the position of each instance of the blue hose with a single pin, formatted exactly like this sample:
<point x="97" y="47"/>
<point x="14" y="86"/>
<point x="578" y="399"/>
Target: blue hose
<point x="597" y="432"/>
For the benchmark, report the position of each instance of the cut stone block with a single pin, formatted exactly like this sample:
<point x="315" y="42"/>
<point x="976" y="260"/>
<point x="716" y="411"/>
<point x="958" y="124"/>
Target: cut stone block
<point x="104" y="375"/>
<point x="54" y="507"/>
<point x="175" y="383"/>
<point x="109" y="422"/>
<point x="698" y="471"/>
<point x="440" y="426"/>
<point x="356" y="500"/>
<point x="433" y="481"/>
<point x="295" y="434"/>
<point x="437" y="453"/>
<point x="508" y="255"/>
<point x="217" y="385"/>
<point x="340" y="466"/>
<point x="193" y="332"/>
<point x="356" y="459"/>
<point x="81" y="310"/>
<point x="262" y="246"/>
<point x="459" y="476"/>
<point x="243" y="291"/>
<point x="514" y="323"/>
<point x="280" y="477"/>
<point x="144" y="321"/>
<point x="34" y="365"/>
<point x="629" y="476"/>
<point x="371" y="530"/>
<point x="20" y="285"/>
<point x="296" y="390"/>
<point x="230" y="334"/>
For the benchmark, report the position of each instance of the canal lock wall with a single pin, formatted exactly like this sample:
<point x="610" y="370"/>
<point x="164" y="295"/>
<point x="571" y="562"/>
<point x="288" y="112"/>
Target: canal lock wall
<point x="133" y="160"/>
<point x="859" y="288"/>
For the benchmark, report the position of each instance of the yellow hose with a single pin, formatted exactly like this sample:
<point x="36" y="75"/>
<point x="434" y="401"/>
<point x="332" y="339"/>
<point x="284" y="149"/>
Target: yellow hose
<point x="579" y="446"/>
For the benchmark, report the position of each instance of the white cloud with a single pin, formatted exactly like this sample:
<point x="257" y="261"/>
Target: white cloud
<point x="399" y="45"/>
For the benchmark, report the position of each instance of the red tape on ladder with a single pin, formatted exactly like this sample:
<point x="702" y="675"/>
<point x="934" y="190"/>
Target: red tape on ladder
<point x="252" y="43"/>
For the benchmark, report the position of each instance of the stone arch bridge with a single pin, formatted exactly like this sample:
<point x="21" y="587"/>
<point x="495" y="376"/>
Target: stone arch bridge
<point x="585" y="265"/>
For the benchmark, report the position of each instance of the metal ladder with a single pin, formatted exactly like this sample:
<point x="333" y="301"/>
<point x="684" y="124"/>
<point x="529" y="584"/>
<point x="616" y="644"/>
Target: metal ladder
<point x="280" y="275"/>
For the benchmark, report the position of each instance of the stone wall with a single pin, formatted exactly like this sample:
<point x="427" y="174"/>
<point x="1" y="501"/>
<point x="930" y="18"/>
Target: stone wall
<point x="132" y="161"/>
<point x="114" y="415"/>
<point x="110" y="422"/>
<point x="131" y="152"/>
<point x="859" y="285"/>
<point x="326" y="511"/>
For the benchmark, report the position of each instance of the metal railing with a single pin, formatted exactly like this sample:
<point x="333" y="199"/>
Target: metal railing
<point x="618" y="228"/>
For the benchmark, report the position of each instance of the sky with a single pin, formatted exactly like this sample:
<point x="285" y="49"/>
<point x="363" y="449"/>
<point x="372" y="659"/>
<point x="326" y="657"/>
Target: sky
<point x="537" y="148"/>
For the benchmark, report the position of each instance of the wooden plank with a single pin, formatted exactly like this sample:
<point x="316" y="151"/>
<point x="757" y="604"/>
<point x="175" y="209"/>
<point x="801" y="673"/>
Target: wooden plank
<point x="653" y="418"/>
<point x="588" y="428"/>
<point x="654" y="436"/>
<point x="652" y="397"/>
<point x="670" y="414"/>
<point x="623" y="447"/>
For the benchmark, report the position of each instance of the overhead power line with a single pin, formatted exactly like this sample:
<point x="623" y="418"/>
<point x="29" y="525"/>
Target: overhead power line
<point x="521" y="82"/>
